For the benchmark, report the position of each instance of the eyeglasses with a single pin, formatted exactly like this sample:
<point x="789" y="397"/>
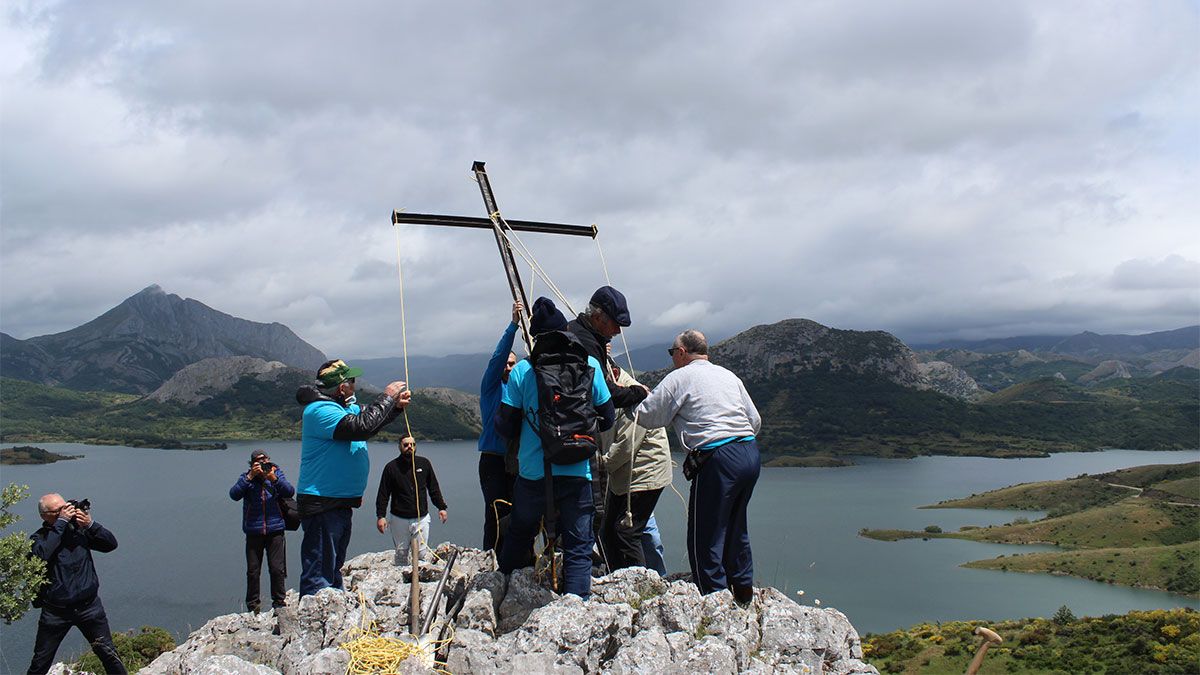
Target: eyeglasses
<point x="408" y="445"/>
<point x="351" y="380"/>
<point x="671" y="350"/>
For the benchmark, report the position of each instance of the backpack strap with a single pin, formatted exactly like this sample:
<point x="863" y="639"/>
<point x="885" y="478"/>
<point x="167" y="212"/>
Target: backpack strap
<point x="550" y="513"/>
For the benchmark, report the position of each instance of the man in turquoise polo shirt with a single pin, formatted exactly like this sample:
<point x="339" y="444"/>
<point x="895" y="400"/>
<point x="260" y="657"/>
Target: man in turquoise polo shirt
<point x="334" y="466"/>
<point x="572" y="485"/>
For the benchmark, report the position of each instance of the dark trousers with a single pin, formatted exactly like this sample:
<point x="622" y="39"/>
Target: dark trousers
<point x="56" y="622"/>
<point x="718" y="538"/>
<point x="573" y="500"/>
<point x="274" y="545"/>
<point x="623" y="545"/>
<point x="323" y="549"/>
<point x="497" y="487"/>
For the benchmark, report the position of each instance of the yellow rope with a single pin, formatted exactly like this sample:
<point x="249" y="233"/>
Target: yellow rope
<point x="632" y="372"/>
<point x="629" y="359"/>
<point x="496" y="512"/>
<point x="371" y="653"/>
<point x="407" y="426"/>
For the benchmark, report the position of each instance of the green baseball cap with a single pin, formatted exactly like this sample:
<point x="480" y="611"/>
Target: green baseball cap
<point x="336" y="372"/>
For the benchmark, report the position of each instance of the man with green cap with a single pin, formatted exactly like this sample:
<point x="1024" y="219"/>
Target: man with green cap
<point x="334" y="466"/>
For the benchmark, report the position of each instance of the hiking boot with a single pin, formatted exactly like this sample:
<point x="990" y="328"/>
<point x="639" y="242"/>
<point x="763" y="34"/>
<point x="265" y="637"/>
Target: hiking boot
<point x="743" y="595"/>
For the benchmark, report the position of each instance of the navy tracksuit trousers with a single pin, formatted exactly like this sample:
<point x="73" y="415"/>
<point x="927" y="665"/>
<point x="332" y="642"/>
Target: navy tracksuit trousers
<point x="718" y="538"/>
<point x="497" y="487"/>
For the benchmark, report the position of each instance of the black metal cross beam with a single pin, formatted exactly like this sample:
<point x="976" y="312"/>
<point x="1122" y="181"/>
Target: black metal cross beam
<point x="499" y="225"/>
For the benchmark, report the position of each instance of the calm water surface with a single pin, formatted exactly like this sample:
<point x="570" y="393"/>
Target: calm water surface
<point x="180" y="561"/>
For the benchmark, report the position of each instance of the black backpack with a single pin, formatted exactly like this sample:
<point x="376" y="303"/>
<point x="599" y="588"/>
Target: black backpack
<point x="567" y="422"/>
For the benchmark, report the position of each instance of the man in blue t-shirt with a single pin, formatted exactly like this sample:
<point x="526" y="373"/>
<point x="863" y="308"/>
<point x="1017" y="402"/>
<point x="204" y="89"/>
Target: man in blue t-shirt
<point x="495" y="481"/>
<point x="334" y="466"/>
<point x="572" y="486"/>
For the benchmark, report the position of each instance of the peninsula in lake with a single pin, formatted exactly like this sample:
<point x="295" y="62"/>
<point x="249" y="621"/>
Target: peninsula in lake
<point x="1134" y="527"/>
<point x="27" y="454"/>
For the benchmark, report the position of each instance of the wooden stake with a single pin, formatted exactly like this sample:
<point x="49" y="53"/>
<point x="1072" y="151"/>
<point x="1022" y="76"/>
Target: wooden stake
<point x="414" y="609"/>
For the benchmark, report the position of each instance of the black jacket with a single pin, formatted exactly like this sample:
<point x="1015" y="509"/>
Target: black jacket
<point x="370" y="420"/>
<point x="595" y="343"/>
<point x="67" y="551"/>
<point x="397" y="484"/>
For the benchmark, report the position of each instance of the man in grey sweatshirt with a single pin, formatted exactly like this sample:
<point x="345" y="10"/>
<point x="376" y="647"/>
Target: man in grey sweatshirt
<point x="710" y="410"/>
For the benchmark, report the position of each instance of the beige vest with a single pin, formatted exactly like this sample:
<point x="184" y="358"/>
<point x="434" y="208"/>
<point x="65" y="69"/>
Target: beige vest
<point x="647" y="469"/>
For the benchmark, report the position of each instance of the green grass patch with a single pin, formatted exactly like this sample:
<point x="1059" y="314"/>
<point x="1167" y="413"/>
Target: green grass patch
<point x="1184" y="487"/>
<point x="1063" y="496"/>
<point x="1151" y="642"/>
<point x="1168" y="568"/>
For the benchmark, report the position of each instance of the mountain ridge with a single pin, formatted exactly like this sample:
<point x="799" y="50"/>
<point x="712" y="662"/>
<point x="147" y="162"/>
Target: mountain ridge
<point x="140" y="343"/>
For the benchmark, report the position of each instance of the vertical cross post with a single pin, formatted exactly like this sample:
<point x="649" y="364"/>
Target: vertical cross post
<point x="506" y="254"/>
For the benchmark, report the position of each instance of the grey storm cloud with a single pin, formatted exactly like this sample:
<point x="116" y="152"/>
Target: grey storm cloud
<point x="933" y="168"/>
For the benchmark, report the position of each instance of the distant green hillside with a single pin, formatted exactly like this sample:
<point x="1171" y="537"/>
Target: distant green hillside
<point x="823" y="412"/>
<point x="997" y="371"/>
<point x="1129" y="527"/>
<point x="251" y="409"/>
<point x="1178" y="385"/>
<point x="1144" y="642"/>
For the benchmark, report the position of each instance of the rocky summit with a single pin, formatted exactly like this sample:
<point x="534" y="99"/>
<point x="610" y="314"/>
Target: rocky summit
<point x="635" y="622"/>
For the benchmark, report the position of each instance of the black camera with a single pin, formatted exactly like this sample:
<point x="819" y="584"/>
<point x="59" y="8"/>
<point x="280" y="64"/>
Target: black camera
<point x="84" y="505"/>
<point x="267" y="467"/>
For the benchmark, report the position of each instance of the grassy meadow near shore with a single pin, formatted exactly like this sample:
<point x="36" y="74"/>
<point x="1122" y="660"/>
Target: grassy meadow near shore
<point x="1135" y="527"/>
<point x="1148" y="642"/>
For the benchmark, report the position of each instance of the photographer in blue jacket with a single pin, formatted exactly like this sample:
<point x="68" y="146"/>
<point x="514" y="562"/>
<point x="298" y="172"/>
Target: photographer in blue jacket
<point x="260" y="490"/>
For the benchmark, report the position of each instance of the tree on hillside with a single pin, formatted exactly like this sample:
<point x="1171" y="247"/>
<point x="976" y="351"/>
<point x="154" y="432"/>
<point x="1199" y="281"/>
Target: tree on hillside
<point x="1063" y="616"/>
<point x="21" y="574"/>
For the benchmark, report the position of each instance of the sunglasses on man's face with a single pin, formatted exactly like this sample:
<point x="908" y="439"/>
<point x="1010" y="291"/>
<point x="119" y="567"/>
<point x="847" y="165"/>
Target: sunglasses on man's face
<point x="671" y="350"/>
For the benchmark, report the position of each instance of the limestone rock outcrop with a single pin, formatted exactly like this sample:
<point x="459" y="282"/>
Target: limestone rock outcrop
<point x="207" y="377"/>
<point x="950" y="380"/>
<point x="635" y="622"/>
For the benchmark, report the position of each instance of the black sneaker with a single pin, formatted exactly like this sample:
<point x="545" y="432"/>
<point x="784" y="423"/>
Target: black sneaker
<point x="743" y="595"/>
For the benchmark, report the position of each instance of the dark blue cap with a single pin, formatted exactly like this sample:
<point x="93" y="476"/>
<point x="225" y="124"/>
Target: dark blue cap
<point x="612" y="302"/>
<point x="546" y="317"/>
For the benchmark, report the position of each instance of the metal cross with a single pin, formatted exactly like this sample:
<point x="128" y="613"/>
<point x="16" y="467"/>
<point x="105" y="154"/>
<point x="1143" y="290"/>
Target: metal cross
<point x="498" y="225"/>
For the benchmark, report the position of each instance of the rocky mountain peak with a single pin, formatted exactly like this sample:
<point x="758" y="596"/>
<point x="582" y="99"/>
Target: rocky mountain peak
<point x="797" y="345"/>
<point x="139" y="344"/>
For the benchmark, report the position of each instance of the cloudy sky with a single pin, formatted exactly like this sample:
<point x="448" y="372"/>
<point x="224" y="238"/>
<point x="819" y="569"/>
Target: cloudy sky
<point x="936" y="169"/>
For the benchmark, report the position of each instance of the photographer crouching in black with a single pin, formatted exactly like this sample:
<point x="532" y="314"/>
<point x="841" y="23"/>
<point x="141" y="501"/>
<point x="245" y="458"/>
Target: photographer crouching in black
<point x="71" y="597"/>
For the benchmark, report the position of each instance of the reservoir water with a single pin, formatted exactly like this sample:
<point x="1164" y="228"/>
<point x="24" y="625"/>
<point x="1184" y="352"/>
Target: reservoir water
<point x="180" y="560"/>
